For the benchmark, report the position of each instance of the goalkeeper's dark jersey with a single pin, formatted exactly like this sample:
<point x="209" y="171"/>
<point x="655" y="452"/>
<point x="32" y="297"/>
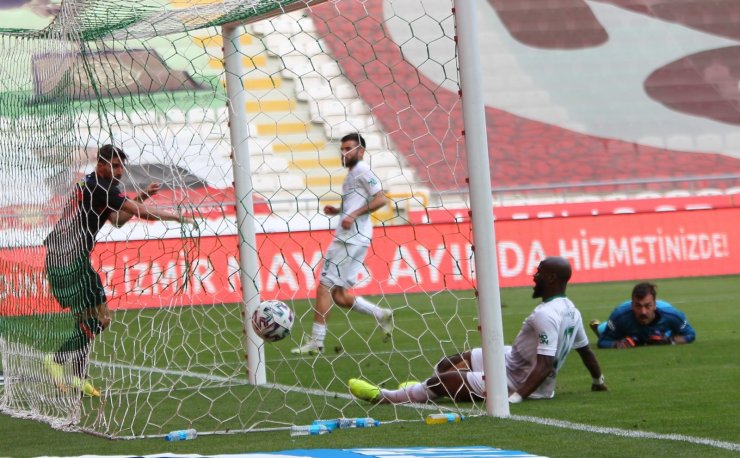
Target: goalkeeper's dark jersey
<point x="92" y="201"/>
<point x="669" y="322"/>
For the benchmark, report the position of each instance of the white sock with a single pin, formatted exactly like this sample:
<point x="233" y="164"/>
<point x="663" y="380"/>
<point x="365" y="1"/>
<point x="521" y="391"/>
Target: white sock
<point x="414" y="393"/>
<point x="318" y="333"/>
<point x="366" y="307"/>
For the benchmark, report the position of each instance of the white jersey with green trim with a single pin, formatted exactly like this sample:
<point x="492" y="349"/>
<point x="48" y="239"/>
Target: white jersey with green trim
<point x="358" y="190"/>
<point x="554" y="328"/>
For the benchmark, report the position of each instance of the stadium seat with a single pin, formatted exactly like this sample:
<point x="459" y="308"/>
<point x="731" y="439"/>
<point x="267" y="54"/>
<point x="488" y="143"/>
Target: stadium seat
<point x="375" y="141"/>
<point x="201" y="115"/>
<point x="648" y="195"/>
<point x="658" y="142"/>
<point x="330" y="70"/>
<point x="384" y="159"/>
<point x="265" y="184"/>
<point x="285" y="24"/>
<point x="286" y="206"/>
<point x="732" y="141"/>
<point x="291" y="182"/>
<point x="709" y="192"/>
<point x="343" y="89"/>
<point x="321" y="109"/>
<point x="677" y="193"/>
<point x="680" y="142"/>
<point x="175" y="116"/>
<point x="309" y="45"/>
<point x="268" y="164"/>
<point x="336" y="128"/>
<point x="709" y="143"/>
<point x="395" y="177"/>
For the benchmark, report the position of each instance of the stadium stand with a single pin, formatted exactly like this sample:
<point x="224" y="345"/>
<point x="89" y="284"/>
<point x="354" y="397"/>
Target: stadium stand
<point x="523" y="152"/>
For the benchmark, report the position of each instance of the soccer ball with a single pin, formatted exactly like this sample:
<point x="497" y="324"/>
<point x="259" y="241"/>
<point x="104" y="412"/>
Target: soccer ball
<point x="272" y="320"/>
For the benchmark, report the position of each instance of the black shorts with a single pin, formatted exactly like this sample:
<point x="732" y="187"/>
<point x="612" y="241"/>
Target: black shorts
<point x="75" y="285"/>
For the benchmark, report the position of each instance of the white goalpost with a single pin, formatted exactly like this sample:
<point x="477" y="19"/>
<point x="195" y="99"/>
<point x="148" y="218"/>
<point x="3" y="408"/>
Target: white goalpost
<point x="481" y="205"/>
<point x="243" y="190"/>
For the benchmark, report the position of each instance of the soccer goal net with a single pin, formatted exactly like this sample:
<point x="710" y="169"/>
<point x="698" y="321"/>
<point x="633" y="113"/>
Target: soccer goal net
<point x="151" y="77"/>
<point x="236" y="108"/>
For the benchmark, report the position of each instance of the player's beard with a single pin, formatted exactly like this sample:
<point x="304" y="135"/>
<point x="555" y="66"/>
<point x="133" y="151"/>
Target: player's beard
<point x="536" y="291"/>
<point x="349" y="162"/>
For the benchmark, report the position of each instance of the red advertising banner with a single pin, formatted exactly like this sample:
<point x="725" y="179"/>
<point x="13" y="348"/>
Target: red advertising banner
<point x="402" y="259"/>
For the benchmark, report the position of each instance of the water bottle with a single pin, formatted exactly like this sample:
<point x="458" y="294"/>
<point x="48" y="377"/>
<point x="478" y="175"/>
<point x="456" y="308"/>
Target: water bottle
<point x="331" y="424"/>
<point x="309" y="430"/>
<point x="181" y="435"/>
<point x="437" y="418"/>
<point x="344" y="423"/>
<point x="366" y="422"/>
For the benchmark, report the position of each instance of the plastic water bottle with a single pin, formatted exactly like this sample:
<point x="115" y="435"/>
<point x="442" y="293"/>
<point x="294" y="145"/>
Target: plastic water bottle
<point x="309" y="430"/>
<point x="366" y="422"/>
<point x="331" y="424"/>
<point x="437" y="418"/>
<point x="344" y="423"/>
<point x="181" y="435"/>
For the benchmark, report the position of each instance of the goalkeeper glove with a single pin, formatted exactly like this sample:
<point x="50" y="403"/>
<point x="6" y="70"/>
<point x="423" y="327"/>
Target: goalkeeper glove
<point x="627" y="342"/>
<point x="658" y="338"/>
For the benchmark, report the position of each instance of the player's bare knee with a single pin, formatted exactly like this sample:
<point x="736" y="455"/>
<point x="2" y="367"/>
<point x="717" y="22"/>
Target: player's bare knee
<point x="452" y="384"/>
<point x="342" y="298"/>
<point x="444" y="365"/>
<point x="451" y="363"/>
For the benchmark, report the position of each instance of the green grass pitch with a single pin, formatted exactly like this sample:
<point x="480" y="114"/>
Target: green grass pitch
<point x="689" y="391"/>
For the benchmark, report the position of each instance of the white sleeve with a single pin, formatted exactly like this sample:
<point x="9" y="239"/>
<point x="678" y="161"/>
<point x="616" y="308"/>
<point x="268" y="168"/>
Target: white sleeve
<point x="370" y="182"/>
<point x="581" y="336"/>
<point x="546" y="327"/>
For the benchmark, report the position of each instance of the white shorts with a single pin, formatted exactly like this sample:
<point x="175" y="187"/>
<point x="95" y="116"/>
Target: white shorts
<point x="475" y="378"/>
<point x="342" y="264"/>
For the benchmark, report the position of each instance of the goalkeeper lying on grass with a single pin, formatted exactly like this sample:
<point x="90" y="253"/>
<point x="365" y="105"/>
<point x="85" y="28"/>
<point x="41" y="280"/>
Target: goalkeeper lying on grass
<point x="643" y="321"/>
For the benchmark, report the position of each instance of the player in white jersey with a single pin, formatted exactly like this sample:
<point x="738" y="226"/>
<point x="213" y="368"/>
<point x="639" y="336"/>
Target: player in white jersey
<point x="362" y="194"/>
<point x="548" y="334"/>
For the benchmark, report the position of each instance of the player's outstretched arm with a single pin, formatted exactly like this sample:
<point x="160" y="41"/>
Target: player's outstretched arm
<point x="685" y="332"/>
<point x="152" y="214"/>
<point x="592" y="364"/>
<point x="678" y="340"/>
<point x="122" y="217"/>
<point x="616" y="335"/>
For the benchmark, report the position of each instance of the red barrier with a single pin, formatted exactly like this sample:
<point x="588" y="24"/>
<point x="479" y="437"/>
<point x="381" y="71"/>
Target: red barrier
<point x="421" y="258"/>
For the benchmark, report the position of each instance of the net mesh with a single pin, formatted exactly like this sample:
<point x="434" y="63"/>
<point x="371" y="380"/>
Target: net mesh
<point x="149" y="76"/>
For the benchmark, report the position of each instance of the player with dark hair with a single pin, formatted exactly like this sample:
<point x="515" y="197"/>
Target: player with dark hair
<point x="539" y="351"/>
<point x="362" y="194"/>
<point x="73" y="281"/>
<point x="643" y="320"/>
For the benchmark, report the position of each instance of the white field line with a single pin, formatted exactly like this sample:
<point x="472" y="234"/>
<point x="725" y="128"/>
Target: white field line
<point x="733" y="446"/>
<point x="627" y="433"/>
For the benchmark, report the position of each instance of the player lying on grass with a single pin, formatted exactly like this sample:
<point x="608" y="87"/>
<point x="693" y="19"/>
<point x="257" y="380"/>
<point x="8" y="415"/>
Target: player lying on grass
<point x="643" y="320"/>
<point x="532" y="362"/>
<point x="96" y="199"/>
